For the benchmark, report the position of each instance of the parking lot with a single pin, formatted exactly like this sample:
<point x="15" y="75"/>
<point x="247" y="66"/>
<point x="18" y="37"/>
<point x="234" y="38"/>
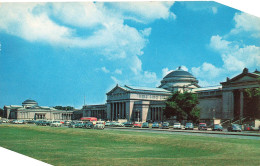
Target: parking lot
<point x="139" y="127"/>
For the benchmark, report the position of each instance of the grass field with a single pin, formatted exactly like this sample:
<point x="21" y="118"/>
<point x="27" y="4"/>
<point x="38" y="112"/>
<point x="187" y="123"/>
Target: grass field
<point x="68" y="146"/>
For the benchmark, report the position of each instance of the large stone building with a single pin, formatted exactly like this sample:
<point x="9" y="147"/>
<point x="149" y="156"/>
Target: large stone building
<point x="224" y="102"/>
<point x="29" y="110"/>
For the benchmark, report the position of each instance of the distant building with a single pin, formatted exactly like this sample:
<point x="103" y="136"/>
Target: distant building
<point x="223" y="102"/>
<point x="130" y="103"/>
<point x="30" y="110"/>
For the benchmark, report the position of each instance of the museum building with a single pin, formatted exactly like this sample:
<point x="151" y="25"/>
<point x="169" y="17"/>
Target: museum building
<point x="29" y="110"/>
<point x="223" y="102"/>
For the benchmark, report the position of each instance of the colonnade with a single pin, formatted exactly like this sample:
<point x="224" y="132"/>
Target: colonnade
<point x="118" y="110"/>
<point x="156" y="113"/>
<point x="40" y="116"/>
<point x="66" y="116"/>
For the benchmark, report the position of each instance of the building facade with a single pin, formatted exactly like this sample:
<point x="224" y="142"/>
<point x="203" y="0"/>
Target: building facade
<point x="29" y="110"/>
<point x="223" y="102"/>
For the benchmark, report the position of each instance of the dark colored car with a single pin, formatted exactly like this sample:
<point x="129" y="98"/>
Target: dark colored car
<point x="189" y="126"/>
<point x="155" y="125"/>
<point x="235" y="128"/>
<point x="203" y="126"/>
<point x="145" y="125"/>
<point x="217" y="127"/>
<point x="88" y="125"/>
<point x="165" y="125"/>
<point x="129" y="124"/>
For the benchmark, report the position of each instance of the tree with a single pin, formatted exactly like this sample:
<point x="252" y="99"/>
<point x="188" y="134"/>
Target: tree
<point x="1" y="112"/>
<point x="252" y="102"/>
<point x="183" y="106"/>
<point x="64" y="108"/>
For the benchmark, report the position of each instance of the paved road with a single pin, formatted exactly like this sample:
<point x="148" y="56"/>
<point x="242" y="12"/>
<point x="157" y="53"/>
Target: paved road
<point x="243" y="135"/>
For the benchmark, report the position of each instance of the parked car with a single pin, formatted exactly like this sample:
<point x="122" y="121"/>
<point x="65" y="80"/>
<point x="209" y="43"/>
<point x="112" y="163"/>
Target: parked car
<point x="177" y="126"/>
<point x="155" y="125"/>
<point x="88" y="125"/>
<point x="72" y="124"/>
<point x="217" y="127"/>
<point x="55" y="124"/>
<point x="66" y="123"/>
<point x="108" y="123"/>
<point x="99" y="125"/>
<point x="129" y="124"/>
<point x="203" y="126"/>
<point x="117" y="124"/>
<point x="79" y="124"/>
<point x="234" y="127"/>
<point x="137" y="124"/>
<point x="145" y="125"/>
<point x="189" y="126"/>
<point x="165" y="125"/>
<point x="17" y="122"/>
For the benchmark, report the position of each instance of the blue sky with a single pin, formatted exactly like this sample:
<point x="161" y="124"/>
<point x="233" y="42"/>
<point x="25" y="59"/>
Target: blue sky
<point x="57" y="53"/>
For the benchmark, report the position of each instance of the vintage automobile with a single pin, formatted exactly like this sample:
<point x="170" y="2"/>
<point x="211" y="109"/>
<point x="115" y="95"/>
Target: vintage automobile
<point x="117" y="124"/>
<point x="165" y="125"/>
<point x="55" y="124"/>
<point x="234" y="127"/>
<point x="79" y="124"/>
<point x="99" y="125"/>
<point x="217" y="127"/>
<point x="108" y="123"/>
<point x="177" y="126"/>
<point x="88" y="125"/>
<point x="155" y="125"/>
<point x="203" y="126"/>
<point x="129" y="124"/>
<point x="145" y="125"/>
<point x="137" y="125"/>
<point x="189" y="126"/>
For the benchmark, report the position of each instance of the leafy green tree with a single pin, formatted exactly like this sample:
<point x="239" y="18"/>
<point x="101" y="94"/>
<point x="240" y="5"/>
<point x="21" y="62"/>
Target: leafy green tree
<point x="183" y="106"/>
<point x="1" y="112"/>
<point x="252" y="102"/>
<point x="63" y="108"/>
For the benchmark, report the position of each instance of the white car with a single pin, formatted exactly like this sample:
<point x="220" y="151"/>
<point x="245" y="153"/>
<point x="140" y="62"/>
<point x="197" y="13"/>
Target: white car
<point x="56" y="124"/>
<point x="177" y="126"/>
<point x="99" y="125"/>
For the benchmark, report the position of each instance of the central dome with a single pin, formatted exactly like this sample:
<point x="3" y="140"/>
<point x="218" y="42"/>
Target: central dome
<point x="179" y="80"/>
<point x="179" y="73"/>
<point x="29" y="103"/>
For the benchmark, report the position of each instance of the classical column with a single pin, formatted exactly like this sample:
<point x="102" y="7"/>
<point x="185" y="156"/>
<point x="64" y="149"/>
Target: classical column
<point x="159" y="114"/>
<point x="112" y="111"/>
<point x="119" y="111"/>
<point x="241" y="103"/>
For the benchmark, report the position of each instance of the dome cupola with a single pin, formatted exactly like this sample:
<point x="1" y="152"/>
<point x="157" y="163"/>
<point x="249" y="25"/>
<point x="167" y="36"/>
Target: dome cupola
<point x="29" y="103"/>
<point x="179" y="80"/>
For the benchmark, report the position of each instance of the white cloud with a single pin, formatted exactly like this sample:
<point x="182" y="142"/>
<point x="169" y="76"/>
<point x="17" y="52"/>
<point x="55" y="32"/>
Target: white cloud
<point x="105" y="70"/>
<point x="118" y="71"/>
<point x="165" y="71"/>
<point x="144" y="11"/>
<point x="246" y="23"/>
<point x="207" y="69"/>
<point x="209" y="6"/>
<point x="217" y="43"/>
<point x="234" y="56"/>
<point x="214" y="10"/>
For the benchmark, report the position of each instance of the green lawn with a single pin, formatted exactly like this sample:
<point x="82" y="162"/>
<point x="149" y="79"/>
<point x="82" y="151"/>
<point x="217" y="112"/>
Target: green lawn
<point x="68" y="146"/>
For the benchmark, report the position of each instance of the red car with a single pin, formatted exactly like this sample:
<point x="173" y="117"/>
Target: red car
<point x="138" y="124"/>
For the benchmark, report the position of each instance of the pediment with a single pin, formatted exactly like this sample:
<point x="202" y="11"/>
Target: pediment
<point x="244" y="78"/>
<point x="116" y="90"/>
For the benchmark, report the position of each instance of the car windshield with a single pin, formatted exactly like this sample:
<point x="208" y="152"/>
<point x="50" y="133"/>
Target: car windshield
<point x="203" y="124"/>
<point x="177" y="124"/>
